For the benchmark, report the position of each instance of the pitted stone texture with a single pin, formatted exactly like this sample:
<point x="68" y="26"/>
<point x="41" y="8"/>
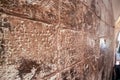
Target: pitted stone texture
<point x="29" y="37"/>
<point x="43" y="10"/>
<point x="32" y="40"/>
<point x="58" y="39"/>
<point x="74" y="73"/>
<point x="70" y="47"/>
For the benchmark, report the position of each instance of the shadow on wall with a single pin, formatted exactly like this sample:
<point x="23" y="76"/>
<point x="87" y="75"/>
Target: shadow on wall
<point x="4" y="24"/>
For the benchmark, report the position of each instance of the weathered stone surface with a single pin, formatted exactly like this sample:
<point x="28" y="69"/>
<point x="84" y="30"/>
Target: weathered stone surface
<point x="56" y="39"/>
<point x="72" y="14"/>
<point x="45" y="10"/>
<point x="31" y="43"/>
<point x="70" y="48"/>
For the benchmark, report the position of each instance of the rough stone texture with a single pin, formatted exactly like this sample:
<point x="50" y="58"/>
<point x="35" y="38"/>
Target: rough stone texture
<point x="56" y="39"/>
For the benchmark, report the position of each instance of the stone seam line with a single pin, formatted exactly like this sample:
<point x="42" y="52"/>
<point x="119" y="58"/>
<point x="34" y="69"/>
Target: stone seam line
<point x="8" y="12"/>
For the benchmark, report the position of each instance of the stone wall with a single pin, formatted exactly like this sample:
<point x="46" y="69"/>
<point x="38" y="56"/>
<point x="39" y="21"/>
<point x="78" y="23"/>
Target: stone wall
<point x="56" y="39"/>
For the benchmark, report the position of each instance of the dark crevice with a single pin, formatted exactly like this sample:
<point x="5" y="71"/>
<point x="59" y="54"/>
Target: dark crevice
<point x="26" y="66"/>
